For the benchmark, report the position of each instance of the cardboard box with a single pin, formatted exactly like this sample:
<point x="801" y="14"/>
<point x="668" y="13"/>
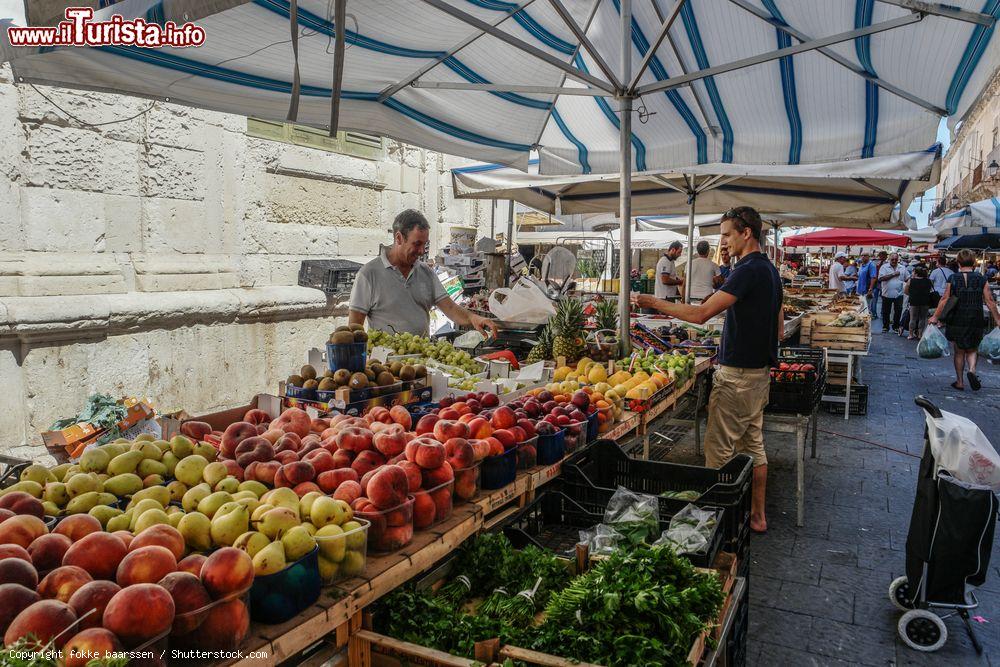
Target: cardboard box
<point x="171" y="424"/>
<point x="84" y="433"/>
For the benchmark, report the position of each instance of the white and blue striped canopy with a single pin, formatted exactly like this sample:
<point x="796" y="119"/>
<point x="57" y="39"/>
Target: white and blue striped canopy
<point x="863" y="193"/>
<point x="875" y="87"/>
<point x="981" y="217"/>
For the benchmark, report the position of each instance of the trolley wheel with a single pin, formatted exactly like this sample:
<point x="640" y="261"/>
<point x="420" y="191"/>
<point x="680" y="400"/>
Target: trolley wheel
<point x="922" y="630"/>
<point x="899" y="594"/>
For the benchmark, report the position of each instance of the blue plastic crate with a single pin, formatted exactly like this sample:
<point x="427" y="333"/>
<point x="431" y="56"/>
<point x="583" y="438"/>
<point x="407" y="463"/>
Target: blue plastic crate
<point x="279" y="597"/>
<point x="498" y="471"/>
<point x="551" y="448"/>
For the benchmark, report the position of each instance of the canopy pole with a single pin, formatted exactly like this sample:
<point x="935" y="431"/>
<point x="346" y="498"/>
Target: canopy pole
<point x="510" y="240"/>
<point x="625" y="185"/>
<point x="692" y="196"/>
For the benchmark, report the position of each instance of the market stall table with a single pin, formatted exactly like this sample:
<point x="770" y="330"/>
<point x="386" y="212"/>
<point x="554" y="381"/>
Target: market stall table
<point x="798" y="425"/>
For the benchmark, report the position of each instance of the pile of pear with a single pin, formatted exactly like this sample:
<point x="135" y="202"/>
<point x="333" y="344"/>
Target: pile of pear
<point x="122" y="484"/>
<point x="106" y="475"/>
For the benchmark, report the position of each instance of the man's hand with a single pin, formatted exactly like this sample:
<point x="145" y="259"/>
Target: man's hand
<point x="645" y="300"/>
<point x="933" y="320"/>
<point x="481" y="324"/>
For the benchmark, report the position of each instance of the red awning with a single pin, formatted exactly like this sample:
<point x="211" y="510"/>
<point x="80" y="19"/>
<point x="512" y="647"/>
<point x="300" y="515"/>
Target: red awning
<point x="845" y="237"/>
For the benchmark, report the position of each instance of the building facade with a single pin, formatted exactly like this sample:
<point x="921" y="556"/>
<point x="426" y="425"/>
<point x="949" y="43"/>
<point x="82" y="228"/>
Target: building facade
<point x="152" y="250"/>
<point x="965" y="170"/>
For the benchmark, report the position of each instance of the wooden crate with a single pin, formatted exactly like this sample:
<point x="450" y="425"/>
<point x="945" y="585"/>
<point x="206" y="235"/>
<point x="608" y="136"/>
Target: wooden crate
<point x="370" y="649"/>
<point x="816" y="332"/>
<point x="836" y="373"/>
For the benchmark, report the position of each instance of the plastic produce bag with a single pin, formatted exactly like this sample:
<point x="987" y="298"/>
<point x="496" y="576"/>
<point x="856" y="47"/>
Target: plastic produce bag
<point x="634" y="515"/>
<point x="524" y="302"/>
<point x="689" y="531"/>
<point x="932" y="344"/>
<point x="989" y="347"/>
<point x="963" y="450"/>
<point x="601" y="539"/>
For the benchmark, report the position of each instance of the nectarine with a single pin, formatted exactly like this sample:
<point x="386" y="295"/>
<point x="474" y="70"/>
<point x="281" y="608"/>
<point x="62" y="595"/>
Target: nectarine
<point x="89" y="601"/>
<point x="139" y="613"/>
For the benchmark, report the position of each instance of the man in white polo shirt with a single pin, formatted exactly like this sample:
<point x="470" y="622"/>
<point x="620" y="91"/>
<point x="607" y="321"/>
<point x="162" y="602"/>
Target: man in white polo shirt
<point x="667" y="279"/>
<point x="837" y="272"/>
<point x="396" y="291"/>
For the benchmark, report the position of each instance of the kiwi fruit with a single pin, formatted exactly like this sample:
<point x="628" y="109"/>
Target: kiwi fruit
<point x="360" y="336"/>
<point x="358" y="381"/>
<point x="395" y="367"/>
<point x="384" y="379"/>
<point x="355" y="327"/>
<point x="310" y="384"/>
<point x="378" y="368"/>
<point x="328" y="373"/>
<point x="343" y="327"/>
<point x="342" y="338"/>
<point x="407" y="373"/>
<point x="327" y="384"/>
<point x="420" y="370"/>
<point x="294" y="380"/>
<point x="371" y="374"/>
<point x="342" y="377"/>
<point x="308" y="372"/>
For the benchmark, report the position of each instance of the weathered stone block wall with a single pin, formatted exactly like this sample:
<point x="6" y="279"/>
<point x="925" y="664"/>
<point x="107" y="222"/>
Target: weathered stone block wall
<point x="153" y="250"/>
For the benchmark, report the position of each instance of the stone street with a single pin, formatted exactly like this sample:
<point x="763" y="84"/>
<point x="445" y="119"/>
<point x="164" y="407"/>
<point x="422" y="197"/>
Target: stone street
<point x="819" y="594"/>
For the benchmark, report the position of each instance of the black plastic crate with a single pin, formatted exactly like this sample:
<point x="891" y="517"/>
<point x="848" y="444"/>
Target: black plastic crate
<point x="333" y="276"/>
<point x="736" y="642"/>
<point x="592" y="474"/>
<point x="796" y="391"/>
<point x="554" y="520"/>
<point x="859" y="399"/>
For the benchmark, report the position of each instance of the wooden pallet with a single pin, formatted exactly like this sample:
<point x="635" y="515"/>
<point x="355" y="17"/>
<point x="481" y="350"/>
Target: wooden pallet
<point x="816" y="333"/>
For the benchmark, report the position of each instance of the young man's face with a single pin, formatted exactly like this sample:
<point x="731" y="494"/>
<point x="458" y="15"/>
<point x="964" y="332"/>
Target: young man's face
<point x="733" y="240"/>
<point x="674" y="253"/>
<point x="411" y="247"/>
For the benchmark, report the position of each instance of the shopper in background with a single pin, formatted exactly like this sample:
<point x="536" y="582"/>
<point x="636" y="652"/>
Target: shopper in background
<point x="876" y="290"/>
<point x="965" y="321"/>
<point x="850" y="279"/>
<point x="836" y="281"/>
<point x="867" y="276"/>
<point x="724" y="267"/>
<point x="667" y="279"/>
<point x="703" y="273"/>
<point x="892" y="277"/>
<point x="919" y="288"/>
<point x="751" y="298"/>
<point x="992" y="271"/>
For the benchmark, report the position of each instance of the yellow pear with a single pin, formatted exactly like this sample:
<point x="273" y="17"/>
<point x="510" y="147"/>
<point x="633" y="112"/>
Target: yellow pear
<point x="269" y="560"/>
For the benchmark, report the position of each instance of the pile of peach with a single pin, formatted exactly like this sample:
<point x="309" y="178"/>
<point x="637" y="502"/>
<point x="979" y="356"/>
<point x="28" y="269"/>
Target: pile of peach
<point x="92" y="593"/>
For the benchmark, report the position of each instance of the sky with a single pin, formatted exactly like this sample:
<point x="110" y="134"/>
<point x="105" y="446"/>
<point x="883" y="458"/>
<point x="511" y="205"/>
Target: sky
<point x="15" y="9"/>
<point x="944" y="138"/>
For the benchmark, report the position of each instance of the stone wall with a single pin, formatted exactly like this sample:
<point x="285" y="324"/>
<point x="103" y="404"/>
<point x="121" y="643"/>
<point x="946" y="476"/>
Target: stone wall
<point x="153" y="250"/>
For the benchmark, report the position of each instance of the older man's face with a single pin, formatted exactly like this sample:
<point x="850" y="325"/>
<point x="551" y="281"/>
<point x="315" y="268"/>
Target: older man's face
<point x="865" y="258"/>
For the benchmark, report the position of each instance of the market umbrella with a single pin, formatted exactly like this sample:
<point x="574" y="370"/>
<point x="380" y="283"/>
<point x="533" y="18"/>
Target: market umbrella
<point x="710" y="82"/>
<point x="970" y="242"/>
<point x="846" y="237"/>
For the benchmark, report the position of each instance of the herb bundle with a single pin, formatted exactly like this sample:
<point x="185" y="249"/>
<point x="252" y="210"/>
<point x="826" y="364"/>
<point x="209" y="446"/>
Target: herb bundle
<point x="639" y="607"/>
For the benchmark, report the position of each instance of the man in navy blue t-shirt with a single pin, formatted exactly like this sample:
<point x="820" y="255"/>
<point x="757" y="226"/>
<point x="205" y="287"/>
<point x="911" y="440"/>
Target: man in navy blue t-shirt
<point x="751" y="297"/>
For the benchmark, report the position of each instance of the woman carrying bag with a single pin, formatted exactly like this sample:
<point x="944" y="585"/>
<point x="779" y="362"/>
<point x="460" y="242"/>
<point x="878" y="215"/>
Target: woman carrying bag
<point x="961" y="308"/>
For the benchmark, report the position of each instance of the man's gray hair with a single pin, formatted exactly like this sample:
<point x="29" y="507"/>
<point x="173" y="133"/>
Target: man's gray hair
<point x="703" y="247"/>
<point x="409" y="220"/>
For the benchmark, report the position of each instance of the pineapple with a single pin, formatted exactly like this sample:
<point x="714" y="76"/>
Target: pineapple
<point x="567" y="325"/>
<point x="606" y="319"/>
<point x="543" y="350"/>
<point x="606" y="314"/>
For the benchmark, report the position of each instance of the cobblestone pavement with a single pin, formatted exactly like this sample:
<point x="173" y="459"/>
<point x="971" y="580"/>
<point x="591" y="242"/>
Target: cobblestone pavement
<point x="819" y="594"/>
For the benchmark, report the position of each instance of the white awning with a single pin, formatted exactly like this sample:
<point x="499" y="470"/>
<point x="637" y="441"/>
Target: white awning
<point x="753" y="83"/>
<point x="856" y="193"/>
<point x="981" y="217"/>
